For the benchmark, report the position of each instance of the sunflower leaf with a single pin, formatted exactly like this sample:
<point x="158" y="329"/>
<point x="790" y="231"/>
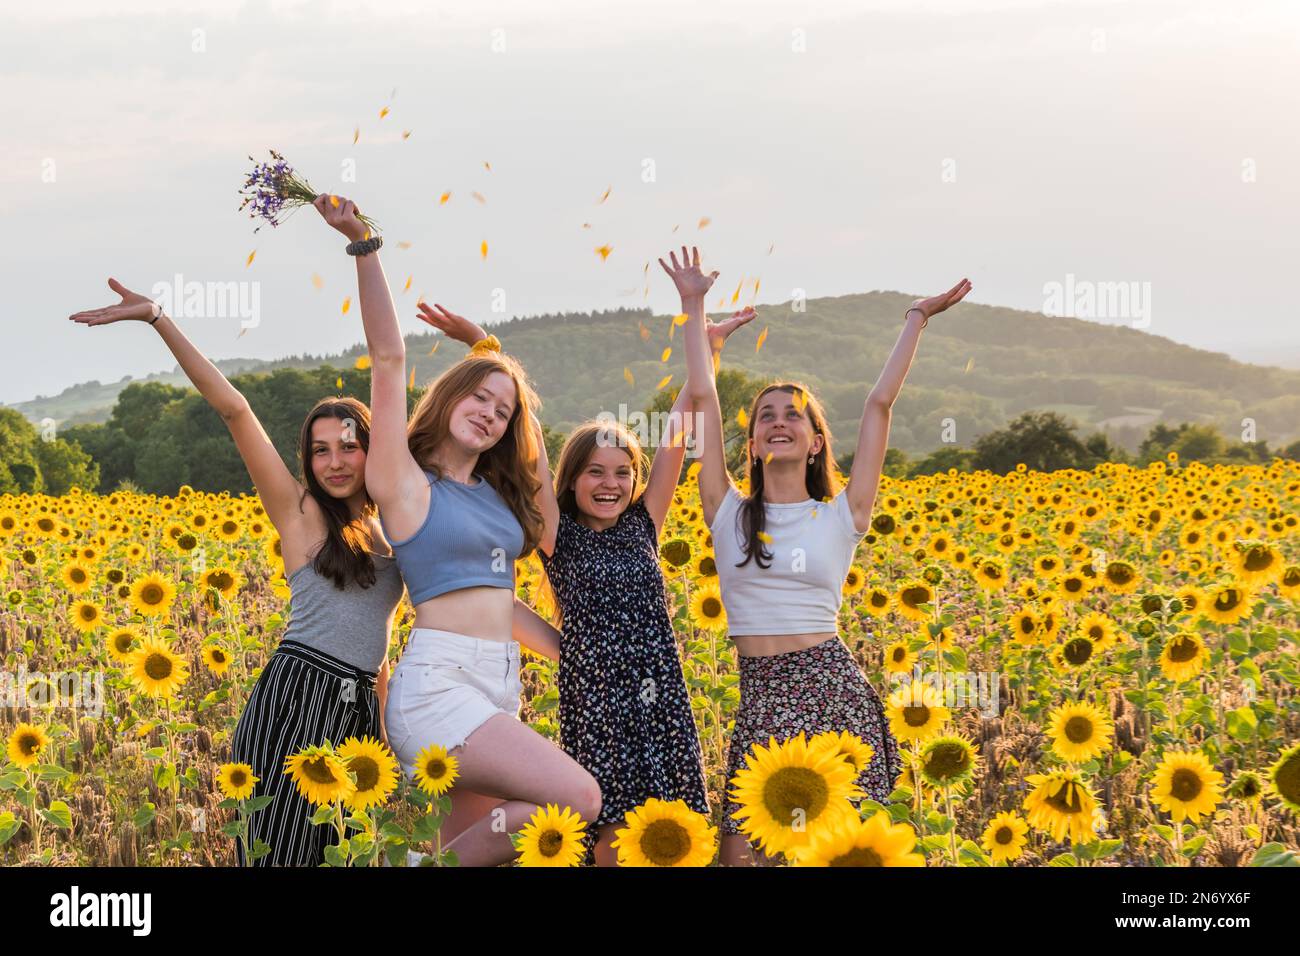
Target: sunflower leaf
<point x="1275" y="854"/>
<point x="57" y="815"/>
<point x="144" y="816"/>
<point x="257" y="803"/>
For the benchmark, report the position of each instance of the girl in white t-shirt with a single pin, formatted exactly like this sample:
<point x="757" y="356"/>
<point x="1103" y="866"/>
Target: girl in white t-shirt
<point x="783" y="551"/>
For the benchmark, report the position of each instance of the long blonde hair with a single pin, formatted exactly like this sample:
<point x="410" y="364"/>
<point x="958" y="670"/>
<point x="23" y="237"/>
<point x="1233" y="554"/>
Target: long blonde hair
<point x="509" y="466"/>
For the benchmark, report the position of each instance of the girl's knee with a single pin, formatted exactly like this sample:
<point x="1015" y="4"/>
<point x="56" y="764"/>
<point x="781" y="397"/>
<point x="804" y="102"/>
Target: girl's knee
<point x="585" y="797"/>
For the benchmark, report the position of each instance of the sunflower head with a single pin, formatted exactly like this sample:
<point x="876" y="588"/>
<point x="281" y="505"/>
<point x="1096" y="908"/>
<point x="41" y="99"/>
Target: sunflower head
<point x="947" y="760"/>
<point x="663" y="833"/>
<point x="435" y="770"/>
<point x="26" y="744"/>
<point x="553" y="837"/>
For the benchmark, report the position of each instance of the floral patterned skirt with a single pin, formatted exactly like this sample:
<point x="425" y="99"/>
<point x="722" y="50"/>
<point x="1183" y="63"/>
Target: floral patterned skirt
<point x="816" y="689"/>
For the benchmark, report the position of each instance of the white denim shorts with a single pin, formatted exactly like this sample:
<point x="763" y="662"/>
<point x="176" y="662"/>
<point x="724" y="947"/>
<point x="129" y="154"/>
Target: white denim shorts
<point x="445" y="687"/>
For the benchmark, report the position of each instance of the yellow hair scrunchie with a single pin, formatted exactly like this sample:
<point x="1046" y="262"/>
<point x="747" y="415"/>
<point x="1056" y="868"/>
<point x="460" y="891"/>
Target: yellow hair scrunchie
<point x="489" y="344"/>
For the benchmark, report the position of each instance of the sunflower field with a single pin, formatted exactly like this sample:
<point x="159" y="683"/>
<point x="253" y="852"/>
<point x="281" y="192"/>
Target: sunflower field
<point x="1081" y="668"/>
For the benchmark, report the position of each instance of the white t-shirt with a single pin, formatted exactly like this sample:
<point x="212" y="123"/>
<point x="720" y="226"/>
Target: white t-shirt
<point x="812" y="548"/>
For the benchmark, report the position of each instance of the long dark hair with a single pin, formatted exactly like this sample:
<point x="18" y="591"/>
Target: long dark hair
<point x="819" y="477"/>
<point x="345" y="555"/>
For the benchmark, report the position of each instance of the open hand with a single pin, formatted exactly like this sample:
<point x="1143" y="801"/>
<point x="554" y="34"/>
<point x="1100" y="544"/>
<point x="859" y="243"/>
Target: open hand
<point x="718" y="332"/>
<point x="690" y="281"/>
<point x="341" y="213"/>
<point x="937" y="303"/>
<point x="132" y="306"/>
<point x="454" y="326"/>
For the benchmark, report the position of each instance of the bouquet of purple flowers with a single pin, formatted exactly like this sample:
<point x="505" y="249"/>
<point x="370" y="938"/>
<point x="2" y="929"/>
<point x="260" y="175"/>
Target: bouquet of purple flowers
<point x="274" y="188"/>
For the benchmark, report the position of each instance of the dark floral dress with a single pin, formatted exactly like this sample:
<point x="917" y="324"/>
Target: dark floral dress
<point x="624" y="711"/>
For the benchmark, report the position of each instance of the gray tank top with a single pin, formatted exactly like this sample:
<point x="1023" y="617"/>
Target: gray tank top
<point x="351" y="624"/>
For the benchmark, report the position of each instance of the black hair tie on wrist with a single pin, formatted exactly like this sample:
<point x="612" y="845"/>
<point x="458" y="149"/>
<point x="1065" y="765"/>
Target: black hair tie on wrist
<point x="363" y="247"/>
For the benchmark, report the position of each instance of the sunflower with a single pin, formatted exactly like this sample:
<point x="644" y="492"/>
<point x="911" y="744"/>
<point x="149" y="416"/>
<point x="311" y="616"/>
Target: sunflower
<point x="991" y="575"/>
<point x="435" y="770"/>
<point x="663" y="833"/>
<point x="707" y="610"/>
<point x="1062" y="804"/>
<point x="1183" y="656"/>
<point x="947" y="760"/>
<point x="1186" y="786"/>
<point x="878" y="602"/>
<point x="78" y="577"/>
<point x="1004" y="837"/>
<point x="1256" y="563"/>
<point x="1190" y="597"/>
<point x="1099" y="629"/>
<point x="1227" y="603"/>
<point x="552" y="838"/>
<point x="1077" y="652"/>
<point x="1289" y="582"/>
<point x="675" y="552"/>
<point x="228" y="530"/>
<point x="850" y="841"/>
<point x="786" y="790"/>
<point x="848" y="745"/>
<point x="152" y="595"/>
<point x="1284" y="776"/>
<point x="1247" y="786"/>
<point x="1024" y="626"/>
<point x="216" y="658"/>
<point x="236" y="780"/>
<point x="26" y="744"/>
<point x="156" y="671"/>
<point x="122" y="643"/>
<point x="224" y="580"/>
<point x="86" y="616"/>
<point x="913" y="598"/>
<point x="854" y="580"/>
<point x="320" y="775"/>
<point x="374" y="768"/>
<point x="1080" y="731"/>
<point x="898" y="658"/>
<point x="1073" y="586"/>
<point x="915" y="712"/>
<point x="705" y="566"/>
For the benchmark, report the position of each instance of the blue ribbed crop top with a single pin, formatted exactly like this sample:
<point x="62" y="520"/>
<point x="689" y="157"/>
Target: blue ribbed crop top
<point x="469" y="538"/>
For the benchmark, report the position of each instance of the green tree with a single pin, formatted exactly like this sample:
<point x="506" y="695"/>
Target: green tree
<point x="65" y="464"/>
<point x="1043" y="441"/>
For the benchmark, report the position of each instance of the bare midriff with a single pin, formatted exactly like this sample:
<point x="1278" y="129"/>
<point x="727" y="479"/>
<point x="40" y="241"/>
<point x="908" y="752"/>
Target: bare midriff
<point x="765" y="645"/>
<point x="482" y="612"/>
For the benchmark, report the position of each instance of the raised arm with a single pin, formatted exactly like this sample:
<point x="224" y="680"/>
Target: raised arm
<point x="873" y="432"/>
<point x="280" y="492"/>
<point x="533" y="631"/>
<point x="667" y="464"/>
<point x="393" y="478"/>
<point x="692" y="285"/>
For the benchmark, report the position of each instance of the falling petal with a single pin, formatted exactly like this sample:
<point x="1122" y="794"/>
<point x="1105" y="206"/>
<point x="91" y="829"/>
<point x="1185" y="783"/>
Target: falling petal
<point x="800" y="400"/>
<point x="627" y="374"/>
<point x="334" y="201"/>
<point x="586" y="225"/>
<point x="250" y="259"/>
<point x="487" y="165"/>
<point x="483" y="249"/>
<point x="646" y="269"/>
<point x="347" y="304"/>
<point x="479" y="196"/>
<point x="604" y="197"/>
<point x="768" y="458"/>
<point x="435" y="347"/>
<point x="442" y="200"/>
<point x="604" y="252"/>
<point x="356" y="135"/>
<point x="675" y="228"/>
<point x="736" y="295"/>
<point x="645" y="294"/>
<point x="338" y="382"/>
<point x="764" y="537"/>
<point x="666" y="379"/>
<point x="363" y="362"/>
<point x="680" y="319"/>
<point x="970" y="364"/>
<point x="241" y="332"/>
<point x="672" y="327"/>
<point x="383" y="112"/>
<point x="756" y="282"/>
<point x="762" y="337"/>
<point x="722" y="301"/>
<point x="406" y="134"/>
<point x="645" y="333"/>
<point x="410" y="383"/>
<point x="742" y="418"/>
<point x="704" y="221"/>
<point x="407" y="287"/>
<point x="667" y="352"/>
<point x="403" y="244"/>
<point x="317" y="281"/>
<point x="770" y="248"/>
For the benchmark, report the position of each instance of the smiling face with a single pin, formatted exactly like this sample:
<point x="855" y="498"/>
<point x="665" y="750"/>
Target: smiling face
<point x="480" y="418"/>
<point x="337" y="459"/>
<point x="782" y="429"/>
<point x="603" y="489"/>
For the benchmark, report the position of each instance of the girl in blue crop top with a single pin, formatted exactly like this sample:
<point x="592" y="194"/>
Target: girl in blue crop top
<point x="458" y="488"/>
<point x="797" y="677"/>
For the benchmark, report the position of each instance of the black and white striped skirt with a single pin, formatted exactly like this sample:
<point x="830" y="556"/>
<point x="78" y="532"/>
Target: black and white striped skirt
<point x="303" y="698"/>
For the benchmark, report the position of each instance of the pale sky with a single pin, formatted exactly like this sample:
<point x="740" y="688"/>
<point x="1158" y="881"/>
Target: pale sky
<point x="878" y="145"/>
